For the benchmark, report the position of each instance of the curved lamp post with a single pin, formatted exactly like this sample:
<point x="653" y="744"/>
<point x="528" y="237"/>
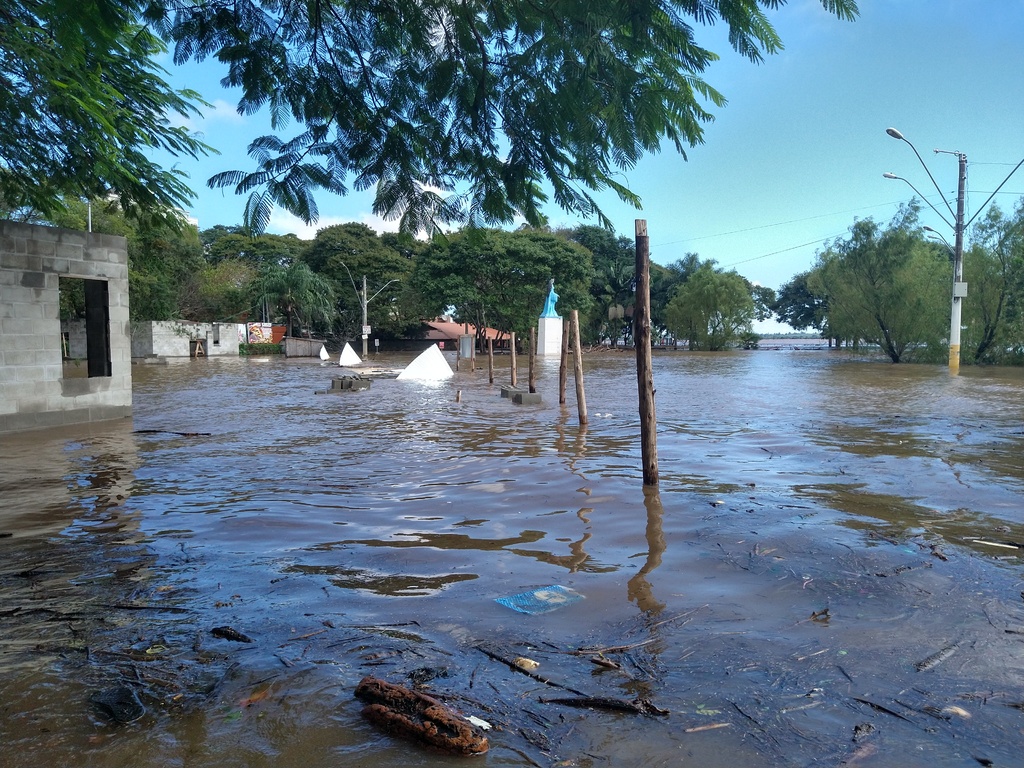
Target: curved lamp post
<point x="959" y="225"/>
<point x="363" y="301"/>
<point x="945" y="242"/>
<point x="959" y="286"/>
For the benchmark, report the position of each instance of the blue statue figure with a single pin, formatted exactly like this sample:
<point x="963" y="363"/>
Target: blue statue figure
<point x="549" y="305"/>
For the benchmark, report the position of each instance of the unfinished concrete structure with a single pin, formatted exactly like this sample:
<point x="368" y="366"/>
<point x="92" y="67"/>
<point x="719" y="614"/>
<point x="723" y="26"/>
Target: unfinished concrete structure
<point x="41" y="383"/>
<point x="183" y="338"/>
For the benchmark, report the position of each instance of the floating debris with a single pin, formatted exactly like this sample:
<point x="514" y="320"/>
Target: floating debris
<point x="228" y="633"/>
<point x="541" y="600"/>
<point x="936" y="658"/>
<point x="417" y="716"/>
<point x="639" y="706"/>
<point x="119" y="704"/>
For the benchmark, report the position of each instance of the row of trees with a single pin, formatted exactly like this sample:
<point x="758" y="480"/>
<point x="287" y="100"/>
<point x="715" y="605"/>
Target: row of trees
<point x="891" y="286"/>
<point x="487" y="277"/>
<point x="881" y="285"/>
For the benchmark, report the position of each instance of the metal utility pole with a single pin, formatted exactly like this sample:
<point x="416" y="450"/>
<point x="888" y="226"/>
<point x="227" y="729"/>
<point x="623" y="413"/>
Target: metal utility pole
<point x="959" y="286"/>
<point x="959" y="227"/>
<point x="364" y="302"/>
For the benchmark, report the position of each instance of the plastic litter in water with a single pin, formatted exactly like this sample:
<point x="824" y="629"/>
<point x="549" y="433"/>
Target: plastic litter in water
<point x="541" y="600"/>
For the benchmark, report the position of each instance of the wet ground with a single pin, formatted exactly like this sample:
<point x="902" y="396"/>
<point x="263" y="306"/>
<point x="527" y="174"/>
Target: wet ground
<point x="829" y="573"/>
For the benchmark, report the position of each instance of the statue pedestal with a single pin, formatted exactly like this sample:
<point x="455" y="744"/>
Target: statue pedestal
<point x="549" y="336"/>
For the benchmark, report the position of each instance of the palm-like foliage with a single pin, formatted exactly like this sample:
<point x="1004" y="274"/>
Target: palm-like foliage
<point x="467" y="111"/>
<point x="296" y="292"/>
<point x="82" y="106"/>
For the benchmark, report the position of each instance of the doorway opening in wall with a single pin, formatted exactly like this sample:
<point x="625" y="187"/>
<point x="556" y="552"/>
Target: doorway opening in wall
<point x="85" y="327"/>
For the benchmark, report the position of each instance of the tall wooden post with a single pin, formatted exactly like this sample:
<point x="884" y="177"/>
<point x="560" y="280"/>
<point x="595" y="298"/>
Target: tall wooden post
<point x="533" y="358"/>
<point x="577" y="353"/>
<point x="512" y="338"/>
<point x="490" y="360"/>
<point x="644" y="372"/>
<point x="563" y="366"/>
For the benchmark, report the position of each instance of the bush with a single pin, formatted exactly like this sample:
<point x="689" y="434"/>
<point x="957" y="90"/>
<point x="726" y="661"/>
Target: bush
<point x="259" y="349"/>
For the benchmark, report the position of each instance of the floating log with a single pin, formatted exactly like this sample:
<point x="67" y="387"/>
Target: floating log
<point x="230" y="633"/>
<point x="639" y="706"/>
<point x="415" y="715"/>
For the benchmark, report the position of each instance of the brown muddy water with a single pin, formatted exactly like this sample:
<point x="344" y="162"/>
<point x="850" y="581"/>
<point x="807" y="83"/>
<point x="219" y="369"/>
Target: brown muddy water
<point x="829" y="575"/>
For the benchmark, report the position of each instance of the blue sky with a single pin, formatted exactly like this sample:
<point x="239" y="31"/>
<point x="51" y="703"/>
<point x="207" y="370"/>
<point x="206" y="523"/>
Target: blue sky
<point x="798" y="153"/>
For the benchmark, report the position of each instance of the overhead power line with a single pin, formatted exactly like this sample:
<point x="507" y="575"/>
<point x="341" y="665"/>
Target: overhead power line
<point x="777" y="224"/>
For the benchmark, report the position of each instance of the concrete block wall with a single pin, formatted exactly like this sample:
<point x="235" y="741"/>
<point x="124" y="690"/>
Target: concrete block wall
<point x="174" y="338"/>
<point x="34" y="392"/>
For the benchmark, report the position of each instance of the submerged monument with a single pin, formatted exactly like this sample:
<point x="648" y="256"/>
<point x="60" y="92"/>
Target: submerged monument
<point x="549" y="326"/>
<point x="429" y="366"/>
<point x="349" y="356"/>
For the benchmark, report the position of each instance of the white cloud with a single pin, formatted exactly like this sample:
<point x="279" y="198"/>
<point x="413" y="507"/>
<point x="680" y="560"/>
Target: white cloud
<point x="284" y="223"/>
<point x="219" y="111"/>
<point x="223" y="111"/>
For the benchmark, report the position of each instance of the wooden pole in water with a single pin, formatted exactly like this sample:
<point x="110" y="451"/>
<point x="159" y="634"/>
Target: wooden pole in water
<point x="644" y="372"/>
<point x="512" y="338"/>
<point x="533" y="357"/>
<point x="563" y="366"/>
<point x="577" y="352"/>
<point x="490" y="361"/>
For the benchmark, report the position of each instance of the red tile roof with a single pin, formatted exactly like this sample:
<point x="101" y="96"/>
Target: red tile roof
<point x="443" y="330"/>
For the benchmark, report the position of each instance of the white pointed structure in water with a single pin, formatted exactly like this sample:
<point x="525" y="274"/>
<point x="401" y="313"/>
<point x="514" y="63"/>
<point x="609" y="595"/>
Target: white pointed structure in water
<point x="349" y="356"/>
<point x="429" y="366"/>
<point x="323" y="353"/>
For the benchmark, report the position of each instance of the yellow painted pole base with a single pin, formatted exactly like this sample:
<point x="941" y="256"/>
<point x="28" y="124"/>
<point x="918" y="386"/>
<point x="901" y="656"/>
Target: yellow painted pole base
<point x="954" y="358"/>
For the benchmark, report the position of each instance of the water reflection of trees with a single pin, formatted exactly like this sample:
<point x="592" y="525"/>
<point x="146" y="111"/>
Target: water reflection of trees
<point x="578" y="560"/>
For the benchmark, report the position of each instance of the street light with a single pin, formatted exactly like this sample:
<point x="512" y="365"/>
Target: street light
<point x="959" y="286"/>
<point x="945" y="242"/>
<point x="958" y="225"/>
<point x="363" y="301"/>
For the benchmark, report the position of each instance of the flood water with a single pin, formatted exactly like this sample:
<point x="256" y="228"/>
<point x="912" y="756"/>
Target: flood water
<point x="828" y="574"/>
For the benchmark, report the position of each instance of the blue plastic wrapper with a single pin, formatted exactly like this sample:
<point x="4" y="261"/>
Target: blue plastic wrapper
<point x="543" y="600"/>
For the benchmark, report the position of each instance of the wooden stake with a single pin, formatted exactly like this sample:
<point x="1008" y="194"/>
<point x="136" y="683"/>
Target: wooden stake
<point x="490" y="361"/>
<point x="581" y="397"/>
<point x="512" y="337"/>
<point x="533" y="357"/>
<point x="563" y="366"/>
<point x="644" y="371"/>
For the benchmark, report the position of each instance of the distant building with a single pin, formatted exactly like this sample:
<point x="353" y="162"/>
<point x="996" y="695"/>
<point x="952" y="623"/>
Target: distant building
<point x="182" y="338"/>
<point x="446" y="334"/>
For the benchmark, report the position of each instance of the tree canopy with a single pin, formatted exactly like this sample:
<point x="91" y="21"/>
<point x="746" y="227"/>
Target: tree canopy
<point x="464" y="111"/>
<point x="346" y="254"/>
<point x="453" y="111"/>
<point x="886" y="286"/>
<point x="499" y="279"/>
<point x="83" y="104"/>
<point x="712" y="309"/>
